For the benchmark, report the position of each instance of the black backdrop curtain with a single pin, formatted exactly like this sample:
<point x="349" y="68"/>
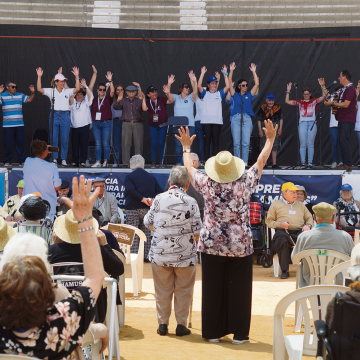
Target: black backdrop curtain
<point x="289" y="55"/>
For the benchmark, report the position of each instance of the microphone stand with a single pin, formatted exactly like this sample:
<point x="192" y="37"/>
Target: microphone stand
<point x="52" y="101"/>
<point x="112" y="149"/>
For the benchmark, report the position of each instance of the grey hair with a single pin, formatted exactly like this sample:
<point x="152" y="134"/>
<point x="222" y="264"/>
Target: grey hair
<point x="194" y="157"/>
<point x="352" y="193"/>
<point x="328" y="218"/>
<point x="179" y="176"/>
<point x="354" y="271"/>
<point x="137" y="161"/>
<point x="25" y="244"/>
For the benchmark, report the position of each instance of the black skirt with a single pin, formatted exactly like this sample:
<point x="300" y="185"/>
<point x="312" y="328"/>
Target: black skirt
<point x="226" y="295"/>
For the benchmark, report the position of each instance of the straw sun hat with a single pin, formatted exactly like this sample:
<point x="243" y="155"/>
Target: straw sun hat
<point x="66" y="228"/>
<point x="224" y="167"/>
<point x="6" y="232"/>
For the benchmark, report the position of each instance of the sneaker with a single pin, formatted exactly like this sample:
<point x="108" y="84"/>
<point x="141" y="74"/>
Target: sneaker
<point x="104" y="164"/>
<point x="97" y="164"/>
<point x="7" y="164"/>
<point x="340" y="164"/>
<point x="310" y="166"/>
<point x="276" y="166"/>
<point x="238" y="339"/>
<point x="153" y="165"/>
<point x="87" y="163"/>
<point x="63" y="163"/>
<point x="334" y="165"/>
<point x="83" y="165"/>
<point x="213" y="340"/>
<point x="115" y="165"/>
<point x="284" y="275"/>
<point x="161" y="166"/>
<point x="55" y="161"/>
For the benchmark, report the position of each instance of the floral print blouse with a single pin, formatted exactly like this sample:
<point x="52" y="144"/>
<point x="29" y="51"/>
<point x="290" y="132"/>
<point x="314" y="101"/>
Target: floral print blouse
<point x="226" y="230"/>
<point x="66" y="324"/>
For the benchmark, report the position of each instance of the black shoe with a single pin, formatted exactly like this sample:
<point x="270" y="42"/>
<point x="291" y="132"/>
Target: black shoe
<point x="147" y="260"/>
<point x="276" y="166"/>
<point x="181" y="330"/>
<point x="284" y="275"/>
<point x="162" y="330"/>
<point x="265" y="166"/>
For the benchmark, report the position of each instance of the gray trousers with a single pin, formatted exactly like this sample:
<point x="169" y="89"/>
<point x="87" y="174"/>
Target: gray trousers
<point x="130" y="130"/>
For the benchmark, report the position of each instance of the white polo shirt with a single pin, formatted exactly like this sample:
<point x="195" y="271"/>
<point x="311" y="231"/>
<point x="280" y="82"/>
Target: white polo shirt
<point x="80" y="112"/>
<point x="61" y="99"/>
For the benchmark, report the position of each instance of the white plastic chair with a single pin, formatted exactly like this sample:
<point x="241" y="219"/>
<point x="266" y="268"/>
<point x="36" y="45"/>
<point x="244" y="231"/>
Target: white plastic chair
<point x="340" y="268"/>
<point x="276" y="263"/>
<point x="122" y="216"/>
<point x="320" y="261"/>
<point x="96" y="345"/>
<point x="136" y="260"/>
<point x="294" y="346"/>
<point x="121" y="308"/>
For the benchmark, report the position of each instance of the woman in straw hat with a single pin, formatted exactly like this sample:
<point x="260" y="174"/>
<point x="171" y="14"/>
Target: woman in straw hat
<point x="225" y="238"/>
<point x="31" y="324"/>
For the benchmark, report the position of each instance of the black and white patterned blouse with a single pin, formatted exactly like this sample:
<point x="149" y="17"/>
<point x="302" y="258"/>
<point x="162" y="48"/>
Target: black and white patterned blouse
<point x="176" y="218"/>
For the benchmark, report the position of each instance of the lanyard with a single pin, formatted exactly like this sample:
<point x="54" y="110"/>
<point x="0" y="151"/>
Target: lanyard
<point x="320" y="225"/>
<point x="98" y="202"/>
<point x="155" y="105"/>
<point x="99" y="104"/>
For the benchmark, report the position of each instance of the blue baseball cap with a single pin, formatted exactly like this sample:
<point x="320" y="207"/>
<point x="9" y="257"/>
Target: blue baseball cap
<point x="346" y="187"/>
<point x="270" y="96"/>
<point x="211" y="79"/>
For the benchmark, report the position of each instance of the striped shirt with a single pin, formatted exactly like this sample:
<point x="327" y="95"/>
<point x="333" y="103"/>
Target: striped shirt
<point x="42" y="228"/>
<point x="12" y="108"/>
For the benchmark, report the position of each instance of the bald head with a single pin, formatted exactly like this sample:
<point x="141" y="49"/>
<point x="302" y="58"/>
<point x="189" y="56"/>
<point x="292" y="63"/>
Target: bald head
<point x="195" y="159"/>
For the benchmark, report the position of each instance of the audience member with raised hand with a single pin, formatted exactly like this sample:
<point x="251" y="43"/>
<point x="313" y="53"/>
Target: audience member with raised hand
<point x="132" y="121"/>
<point x="242" y="98"/>
<point x="225" y="238"/>
<point x="101" y="120"/>
<point x="184" y="106"/>
<point x="13" y="122"/>
<point x="212" y="119"/>
<point x="31" y="324"/>
<point x="157" y="118"/>
<point x="80" y="123"/>
<point x="41" y="176"/>
<point x="61" y="125"/>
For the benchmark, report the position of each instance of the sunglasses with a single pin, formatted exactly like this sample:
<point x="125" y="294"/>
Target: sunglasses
<point x="102" y="89"/>
<point x="244" y="85"/>
<point x="13" y="86"/>
<point x="186" y="87"/>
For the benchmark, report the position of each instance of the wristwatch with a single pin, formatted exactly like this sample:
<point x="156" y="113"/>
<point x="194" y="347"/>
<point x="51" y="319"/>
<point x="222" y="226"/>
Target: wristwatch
<point x="186" y="151"/>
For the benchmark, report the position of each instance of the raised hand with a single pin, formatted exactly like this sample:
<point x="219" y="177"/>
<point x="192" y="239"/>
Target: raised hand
<point x="94" y="69"/>
<point x="217" y="75"/>
<point x="224" y="68"/>
<point x="203" y="70"/>
<point x="321" y="82"/>
<point x="136" y="84"/>
<point x="288" y="86"/>
<point x="184" y="137"/>
<point x="39" y="71"/>
<point x="109" y="76"/>
<point x="2" y="88"/>
<point x="75" y="71"/>
<point x="269" y="129"/>
<point x="171" y="79"/>
<point x="60" y="70"/>
<point x="232" y="66"/>
<point x="120" y="96"/>
<point x="166" y="89"/>
<point x="192" y="76"/>
<point x="252" y="67"/>
<point x="32" y="88"/>
<point x="83" y="83"/>
<point x="141" y="96"/>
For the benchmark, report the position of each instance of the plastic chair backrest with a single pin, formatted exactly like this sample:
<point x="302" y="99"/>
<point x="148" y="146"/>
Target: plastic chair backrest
<point x="122" y="216"/>
<point x="126" y="248"/>
<point x="320" y="262"/>
<point x="178" y="121"/>
<point x="306" y="295"/>
<point x="340" y="268"/>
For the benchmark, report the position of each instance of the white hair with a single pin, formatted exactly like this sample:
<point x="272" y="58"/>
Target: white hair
<point x="137" y="161"/>
<point x="352" y="193"/>
<point x="194" y="157"/>
<point x="178" y="176"/>
<point x="25" y="244"/>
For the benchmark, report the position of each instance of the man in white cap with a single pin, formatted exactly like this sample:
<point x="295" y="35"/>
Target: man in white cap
<point x="60" y="125"/>
<point x="10" y="210"/>
<point x="323" y="236"/>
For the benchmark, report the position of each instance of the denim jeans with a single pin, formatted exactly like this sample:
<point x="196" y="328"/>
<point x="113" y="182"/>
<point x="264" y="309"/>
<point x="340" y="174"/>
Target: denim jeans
<point x="157" y="136"/>
<point x="117" y="131"/>
<point x="247" y="129"/>
<point x="62" y="126"/>
<point x="334" y="133"/>
<point x="178" y="146"/>
<point x="102" y="132"/>
<point x="200" y="140"/>
<point x="358" y="136"/>
<point x="307" y="139"/>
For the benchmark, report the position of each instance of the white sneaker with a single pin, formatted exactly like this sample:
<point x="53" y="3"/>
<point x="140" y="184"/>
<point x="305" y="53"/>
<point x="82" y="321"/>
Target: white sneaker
<point x="55" y="161"/>
<point x="63" y="163"/>
<point x="87" y="163"/>
<point x="115" y="165"/>
<point x="213" y="340"/>
<point x="340" y="164"/>
<point x="97" y="164"/>
<point x="239" y="341"/>
<point x="104" y="164"/>
<point x="334" y="165"/>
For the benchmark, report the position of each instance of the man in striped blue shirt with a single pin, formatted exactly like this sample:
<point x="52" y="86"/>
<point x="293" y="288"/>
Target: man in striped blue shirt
<point x="13" y="123"/>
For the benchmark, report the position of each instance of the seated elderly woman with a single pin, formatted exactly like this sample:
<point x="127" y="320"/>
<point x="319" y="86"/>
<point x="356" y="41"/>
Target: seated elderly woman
<point x="346" y="203"/>
<point x="302" y="196"/>
<point x="31" y="324"/>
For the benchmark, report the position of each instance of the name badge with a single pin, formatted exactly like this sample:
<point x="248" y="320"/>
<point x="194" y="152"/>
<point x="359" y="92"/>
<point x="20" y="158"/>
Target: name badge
<point x="98" y="116"/>
<point x="292" y="212"/>
<point x="155" y="118"/>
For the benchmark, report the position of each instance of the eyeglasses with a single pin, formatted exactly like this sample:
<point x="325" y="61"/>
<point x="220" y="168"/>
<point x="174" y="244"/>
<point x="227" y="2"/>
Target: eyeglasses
<point x="13" y="86"/>
<point x="186" y="87"/>
<point x="244" y="85"/>
<point x="98" y="186"/>
<point x="102" y="89"/>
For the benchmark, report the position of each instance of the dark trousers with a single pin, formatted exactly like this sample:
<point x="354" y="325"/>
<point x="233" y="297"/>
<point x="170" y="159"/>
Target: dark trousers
<point x="226" y="295"/>
<point x="80" y="142"/>
<point x="345" y="130"/>
<point x="282" y="244"/>
<point x="14" y="135"/>
<point x="211" y="136"/>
